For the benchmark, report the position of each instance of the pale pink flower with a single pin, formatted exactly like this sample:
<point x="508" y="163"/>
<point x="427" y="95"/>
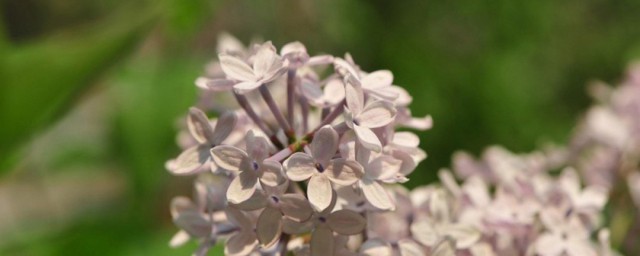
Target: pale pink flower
<point x="565" y="235"/>
<point x="321" y="170"/>
<point x="267" y="66"/>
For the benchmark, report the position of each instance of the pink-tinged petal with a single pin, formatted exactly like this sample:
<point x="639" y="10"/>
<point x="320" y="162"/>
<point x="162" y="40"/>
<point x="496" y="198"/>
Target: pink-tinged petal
<point x="241" y="244"/>
<point x="320" y="60"/>
<point x="245" y="87"/>
<point x="293" y="227"/>
<point x="445" y="247"/>
<point x="324" y="145"/>
<point x="343" y="171"/>
<point x="224" y="126"/>
<point x="549" y="245"/>
<point x="242" y="187"/>
<point x="377" y="79"/>
<point x="464" y="235"/>
<point x="179" y="239"/>
<point x="404" y="98"/>
<point x="272" y="174"/>
<point x="376" y="195"/>
<point x="312" y="92"/>
<point x="386" y="93"/>
<point x="228" y="43"/>
<point x="375" y="247"/>
<point x="376" y="113"/>
<point x="236" y="68"/>
<point x="188" y="218"/>
<point x="410" y="248"/>
<point x="334" y="92"/>
<point x="425" y="233"/>
<point x="299" y="166"/>
<point x="345" y="68"/>
<point x="482" y="249"/>
<point x="257" y="146"/>
<point x="346" y="222"/>
<point x="422" y="124"/>
<point x="295" y="207"/>
<point x="265" y="60"/>
<point x="383" y="167"/>
<point x="269" y="226"/>
<point x="189" y="161"/>
<point x="199" y="125"/>
<point x="293" y="47"/>
<point x="580" y="248"/>
<point x="406" y="139"/>
<point x="257" y="201"/>
<point x="228" y="157"/>
<point x="439" y="207"/>
<point x="367" y="138"/>
<point x="215" y="85"/>
<point x="592" y="197"/>
<point x="322" y="242"/>
<point x="449" y="182"/>
<point x="319" y="192"/>
<point x="238" y="218"/>
<point x="477" y="190"/>
<point x="354" y="98"/>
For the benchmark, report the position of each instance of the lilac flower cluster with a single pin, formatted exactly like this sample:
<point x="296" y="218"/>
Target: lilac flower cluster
<point x="307" y="153"/>
<point x="307" y="161"/>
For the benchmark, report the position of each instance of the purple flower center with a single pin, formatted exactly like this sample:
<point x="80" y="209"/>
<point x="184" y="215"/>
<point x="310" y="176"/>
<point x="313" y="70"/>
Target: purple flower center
<point x="255" y="166"/>
<point x="275" y="199"/>
<point x="319" y="167"/>
<point x="322" y="219"/>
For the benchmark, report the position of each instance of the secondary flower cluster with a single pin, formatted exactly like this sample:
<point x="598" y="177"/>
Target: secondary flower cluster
<point x="301" y="161"/>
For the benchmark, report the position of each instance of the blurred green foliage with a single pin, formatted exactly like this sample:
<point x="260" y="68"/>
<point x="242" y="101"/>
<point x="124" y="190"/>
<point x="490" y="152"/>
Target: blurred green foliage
<point x="490" y="72"/>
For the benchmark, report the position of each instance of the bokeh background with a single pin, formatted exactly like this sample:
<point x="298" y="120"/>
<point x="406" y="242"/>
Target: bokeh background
<point x="90" y="93"/>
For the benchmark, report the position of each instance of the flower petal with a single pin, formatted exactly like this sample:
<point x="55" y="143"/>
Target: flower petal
<point x="354" y="98"/>
<point x="245" y="87"/>
<point x="236" y="68"/>
<point x="299" y="167"/>
<point x="444" y="248"/>
<point x="374" y="247"/>
<point x="257" y="146"/>
<point x="406" y="139"/>
<point x="224" y="126"/>
<point x="241" y="244"/>
<point x="319" y="192"/>
<point x="464" y="235"/>
<point x="376" y="195"/>
<point x="409" y="248"/>
<point x="367" y="138"/>
<point x="257" y="201"/>
<point x="228" y="157"/>
<point x="295" y="207"/>
<point x="189" y="161"/>
<point x="377" y="79"/>
<point x="293" y="227"/>
<point x="272" y="174"/>
<point x="238" y="218"/>
<point x="334" y="92"/>
<point x="269" y="226"/>
<point x="179" y="239"/>
<point x="425" y="233"/>
<point x="322" y="242"/>
<point x="199" y="126"/>
<point x="343" y="171"/>
<point x="266" y="60"/>
<point x="215" y="85"/>
<point x="346" y="222"/>
<point x="187" y="217"/>
<point x="383" y="167"/>
<point x="242" y="187"/>
<point x="548" y="244"/>
<point x="376" y="113"/>
<point x="324" y="145"/>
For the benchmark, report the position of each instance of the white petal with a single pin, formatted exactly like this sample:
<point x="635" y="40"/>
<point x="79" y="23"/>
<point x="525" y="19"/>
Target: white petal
<point x="257" y="146"/>
<point x="409" y="248"/>
<point x="189" y="161"/>
<point x="380" y="78"/>
<point x="334" y="92"/>
<point x="215" y="85"/>
<point x="179" y="239"/>
<point x="320" y="60"/>
<point x="188" y="218"/>
<point x="324" y="145"/>
<point x="299" y="167"/>
<point x="245" y="87"/>
<point x="464" y="235"/>
<point x="406" y="139"/>
<point x="322" y="242"/>
<point x="293" y="227"/>
<point x="228" y="157"/>
<point x="199" y="125"/>
<point x="422" y="124"/>
<point x="580" y="248"/>
<point x="386" y="93"/>
<point x="343" y="171"/>
<point x="242" y="187"/>
<point x="312" y="92"/>
<point x="383" y="167"/>
<point x="295" y="207"/>
<point x="224" y="126"/>
<point x="241" y="244"/>
<point x="237" y="218"/>
<point x="265" y="60"/>
<point x="345" y="68"/>
<point x="269" y="226"/>
<point x="257" y="201"/>
<point x="319" y="192"/>
<point x="375" y="247"/>
<point x="354" y="98"/>
<point x="346" y="222"/>
<point x="376" y="195"/>
<point x="444" y="248"/>
<point x="272" y="174"/>
<point x="367" y="138"/>
<point x="376" y="113"/>
<point x="548" y="244"/>
<point x="236" y="68"/>
<point x="425" y="232"/>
